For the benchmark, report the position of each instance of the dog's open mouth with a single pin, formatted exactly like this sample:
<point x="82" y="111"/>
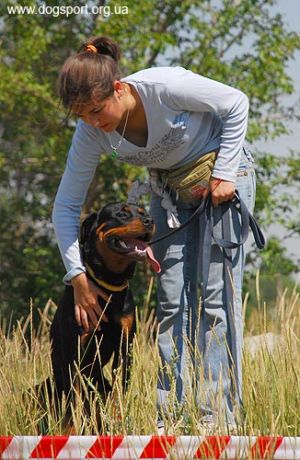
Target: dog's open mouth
<point x="136" y="248"/>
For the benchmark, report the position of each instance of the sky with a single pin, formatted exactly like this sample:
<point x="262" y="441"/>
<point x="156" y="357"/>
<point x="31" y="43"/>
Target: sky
<point x="290" y="9"/>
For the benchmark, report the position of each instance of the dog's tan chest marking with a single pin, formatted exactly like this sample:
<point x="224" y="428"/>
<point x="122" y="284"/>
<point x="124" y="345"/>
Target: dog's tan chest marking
<point x="127" y="323"/>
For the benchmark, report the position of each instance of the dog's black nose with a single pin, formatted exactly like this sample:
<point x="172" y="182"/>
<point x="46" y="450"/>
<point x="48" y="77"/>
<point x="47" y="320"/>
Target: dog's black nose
<point x="147" y="221"/>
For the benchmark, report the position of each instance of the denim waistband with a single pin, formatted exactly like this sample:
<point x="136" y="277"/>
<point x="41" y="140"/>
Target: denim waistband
<point x="246" y="163"/>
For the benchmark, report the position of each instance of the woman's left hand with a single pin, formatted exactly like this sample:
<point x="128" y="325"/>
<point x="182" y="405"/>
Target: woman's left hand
<point x="221" y="190"/>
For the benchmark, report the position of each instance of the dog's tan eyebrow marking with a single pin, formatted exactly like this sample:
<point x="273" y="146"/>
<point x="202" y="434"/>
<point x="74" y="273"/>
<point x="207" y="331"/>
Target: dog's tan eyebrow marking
<point x="99" y="233"/>
<point x="141" y="210"/>
<point x="100" y="227"/>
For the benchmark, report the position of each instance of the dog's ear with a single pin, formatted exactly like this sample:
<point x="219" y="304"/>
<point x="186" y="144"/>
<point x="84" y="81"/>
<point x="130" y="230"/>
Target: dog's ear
<point x="86" y="227"/>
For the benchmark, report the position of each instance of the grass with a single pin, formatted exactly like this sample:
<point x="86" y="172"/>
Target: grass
<point x="271" y="385"/>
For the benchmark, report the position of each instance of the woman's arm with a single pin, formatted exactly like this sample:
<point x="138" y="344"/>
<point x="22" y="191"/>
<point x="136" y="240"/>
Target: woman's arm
<point x="82" y="161"/>
<point x="81" y="164"/>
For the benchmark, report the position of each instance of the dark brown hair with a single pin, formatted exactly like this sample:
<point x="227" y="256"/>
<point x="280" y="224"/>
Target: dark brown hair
<point x="89" y="74"/>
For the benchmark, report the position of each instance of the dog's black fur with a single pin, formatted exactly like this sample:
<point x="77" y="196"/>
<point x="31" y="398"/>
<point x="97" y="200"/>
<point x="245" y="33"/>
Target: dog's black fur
<point x="107" y="240"/>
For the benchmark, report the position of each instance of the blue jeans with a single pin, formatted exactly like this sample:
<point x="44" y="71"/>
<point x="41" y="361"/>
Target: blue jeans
<point x="185" y="341"/>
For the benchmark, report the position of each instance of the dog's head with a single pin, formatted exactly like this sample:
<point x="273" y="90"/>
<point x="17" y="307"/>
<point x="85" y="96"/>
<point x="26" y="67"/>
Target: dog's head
<point x="118" y="235"/>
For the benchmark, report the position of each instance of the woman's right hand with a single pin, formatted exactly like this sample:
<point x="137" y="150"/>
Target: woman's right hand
<point x="87" y="308"/>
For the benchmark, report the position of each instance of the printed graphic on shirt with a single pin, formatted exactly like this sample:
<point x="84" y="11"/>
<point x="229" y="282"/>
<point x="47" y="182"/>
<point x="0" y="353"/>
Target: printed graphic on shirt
<point x="171" y="141"/>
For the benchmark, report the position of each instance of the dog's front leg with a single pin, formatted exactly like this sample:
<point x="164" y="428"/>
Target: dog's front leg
<point x="64" y="334"/>
<point x="122" y="356"/>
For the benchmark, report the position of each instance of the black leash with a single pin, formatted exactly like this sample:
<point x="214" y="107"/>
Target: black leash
<point x="246" y="220"/>
<point x="198" y="211"/>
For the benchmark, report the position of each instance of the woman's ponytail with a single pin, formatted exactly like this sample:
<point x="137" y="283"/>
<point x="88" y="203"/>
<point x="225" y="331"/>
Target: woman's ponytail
<point x="105" y="46"/>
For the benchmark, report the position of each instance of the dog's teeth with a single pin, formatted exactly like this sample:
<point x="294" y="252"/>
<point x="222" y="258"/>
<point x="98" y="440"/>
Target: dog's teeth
<point x="123" y="244"/>
<point x="140" y="251"/>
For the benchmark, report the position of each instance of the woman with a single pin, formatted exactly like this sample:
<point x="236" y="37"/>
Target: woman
<point x="163" y="118"/>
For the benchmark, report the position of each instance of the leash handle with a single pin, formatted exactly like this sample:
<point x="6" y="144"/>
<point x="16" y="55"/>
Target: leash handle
<point x="247" y="221"/>
<point x="239" y="205"/>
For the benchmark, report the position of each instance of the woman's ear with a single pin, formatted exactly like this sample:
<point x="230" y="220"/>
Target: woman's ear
<point x="119" y="88"/>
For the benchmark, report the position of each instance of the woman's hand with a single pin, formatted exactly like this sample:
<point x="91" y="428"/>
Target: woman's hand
<point x="87" y="308"/>
<point x="221" y="190"/>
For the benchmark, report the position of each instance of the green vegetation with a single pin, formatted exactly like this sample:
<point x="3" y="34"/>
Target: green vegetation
<point x="244" y="44"/>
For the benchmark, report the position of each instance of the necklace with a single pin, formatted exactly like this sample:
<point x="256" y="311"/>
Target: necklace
<point x="114" y="154"/>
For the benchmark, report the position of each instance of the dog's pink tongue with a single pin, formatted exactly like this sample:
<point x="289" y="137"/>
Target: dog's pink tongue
<point x="152" y="261"/>
<point x="143" y="247"/>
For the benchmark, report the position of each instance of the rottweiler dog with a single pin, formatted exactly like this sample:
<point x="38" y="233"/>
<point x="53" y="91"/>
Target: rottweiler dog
<point x="111" y="242"/>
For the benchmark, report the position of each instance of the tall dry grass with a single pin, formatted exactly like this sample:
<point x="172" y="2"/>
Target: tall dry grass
<point x="271" y="387"/>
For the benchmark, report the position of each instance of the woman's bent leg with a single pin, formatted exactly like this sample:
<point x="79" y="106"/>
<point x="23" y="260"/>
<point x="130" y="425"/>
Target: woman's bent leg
<point x="177" y="299"/>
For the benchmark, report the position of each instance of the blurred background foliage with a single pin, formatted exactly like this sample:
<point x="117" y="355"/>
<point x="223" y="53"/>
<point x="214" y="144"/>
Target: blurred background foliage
<point x="241" y="43"/>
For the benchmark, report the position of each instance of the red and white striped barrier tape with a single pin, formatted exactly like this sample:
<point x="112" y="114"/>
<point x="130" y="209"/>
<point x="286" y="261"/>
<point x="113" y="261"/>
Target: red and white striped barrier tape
<point x="149" y="447"/>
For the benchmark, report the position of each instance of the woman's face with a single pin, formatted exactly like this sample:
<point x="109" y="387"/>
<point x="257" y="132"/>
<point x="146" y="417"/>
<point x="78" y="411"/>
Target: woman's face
<point x="101" y="114"/>
<point x="104" y="114"/>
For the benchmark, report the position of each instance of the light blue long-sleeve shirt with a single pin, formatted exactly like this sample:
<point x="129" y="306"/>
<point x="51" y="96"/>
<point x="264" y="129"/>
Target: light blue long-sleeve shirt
<point x="187" y="115"/>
